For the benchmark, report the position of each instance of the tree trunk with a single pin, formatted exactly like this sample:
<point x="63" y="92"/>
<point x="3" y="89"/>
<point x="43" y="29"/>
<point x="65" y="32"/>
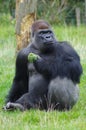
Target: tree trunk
<point x="25" y="16"/>
<point x="78" y="16"/>
<point x="85" y="11"/>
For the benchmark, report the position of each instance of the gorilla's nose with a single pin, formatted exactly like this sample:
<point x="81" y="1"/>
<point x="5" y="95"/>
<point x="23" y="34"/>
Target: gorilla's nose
<point x="48" y="38"/>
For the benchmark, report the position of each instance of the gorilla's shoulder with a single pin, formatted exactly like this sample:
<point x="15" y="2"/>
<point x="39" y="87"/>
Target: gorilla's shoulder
<point x="66" y="49"/>
<point x="25" y="51"/>
<point x="64" y="44"/>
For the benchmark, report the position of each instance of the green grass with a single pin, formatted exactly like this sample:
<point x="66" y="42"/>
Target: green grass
<point x="74" y="119"/>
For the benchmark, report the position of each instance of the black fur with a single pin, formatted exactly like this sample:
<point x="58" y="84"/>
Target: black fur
<point x="33" y="86"/>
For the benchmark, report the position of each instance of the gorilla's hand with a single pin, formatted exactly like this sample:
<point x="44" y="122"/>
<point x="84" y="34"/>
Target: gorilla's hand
<point x="33" y="57"/>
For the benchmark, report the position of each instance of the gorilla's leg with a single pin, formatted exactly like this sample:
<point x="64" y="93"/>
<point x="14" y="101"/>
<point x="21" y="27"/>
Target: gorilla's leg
<point x="17" y="90"/>
<point x="62" y="94"/>
<point x="36" y="98"/>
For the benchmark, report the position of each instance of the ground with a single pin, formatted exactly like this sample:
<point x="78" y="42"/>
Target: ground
<point x="74" y="119"/>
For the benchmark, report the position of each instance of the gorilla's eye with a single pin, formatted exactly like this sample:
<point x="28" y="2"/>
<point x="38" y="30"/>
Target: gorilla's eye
<point x="49" y="32"/>
<point x="45" y="32"/>
<point x="41" y="33"/>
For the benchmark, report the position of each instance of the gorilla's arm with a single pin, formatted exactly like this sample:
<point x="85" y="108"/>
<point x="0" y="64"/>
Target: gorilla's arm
<point x="43" y="68"/>
<point x="66" y="63"/>
<point x="20" y="82"/>
<point x="70" y="62"/>
<point x="40" y="64"/>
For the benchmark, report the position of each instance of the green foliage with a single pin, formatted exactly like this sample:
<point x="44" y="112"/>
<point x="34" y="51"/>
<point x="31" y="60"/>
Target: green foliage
<point x="32" y="57"/>
<point x="74" y="119"/>
<point x="51" y="11"/>
<point x="5" y="19"/>
<point x="55" y="11"/>
<point x="4" y="6"/>
<point x="60" y="11"/>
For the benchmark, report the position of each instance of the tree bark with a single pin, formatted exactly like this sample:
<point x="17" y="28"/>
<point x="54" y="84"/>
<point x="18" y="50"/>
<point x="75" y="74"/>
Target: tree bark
<point x="25" y="16"/>
<point x="78" y="16"/>
<point x="85" y="11"/>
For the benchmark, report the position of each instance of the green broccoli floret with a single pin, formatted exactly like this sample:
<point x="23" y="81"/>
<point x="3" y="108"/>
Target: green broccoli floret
<point x="32" y="57"/>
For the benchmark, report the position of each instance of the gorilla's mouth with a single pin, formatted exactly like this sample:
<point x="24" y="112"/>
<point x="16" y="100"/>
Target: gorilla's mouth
<point x="48" y="43"/>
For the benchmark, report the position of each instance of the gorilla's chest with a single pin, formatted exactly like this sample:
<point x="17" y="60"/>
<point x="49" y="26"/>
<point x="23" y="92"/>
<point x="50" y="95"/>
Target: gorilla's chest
<point x="48" y="58"/>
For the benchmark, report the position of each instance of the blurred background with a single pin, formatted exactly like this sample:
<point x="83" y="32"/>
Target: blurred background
<point x="70" y="12"/>
<point x="68" y="20"/>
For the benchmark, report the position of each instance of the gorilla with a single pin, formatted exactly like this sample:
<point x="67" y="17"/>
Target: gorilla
<point x="47" y="73"/>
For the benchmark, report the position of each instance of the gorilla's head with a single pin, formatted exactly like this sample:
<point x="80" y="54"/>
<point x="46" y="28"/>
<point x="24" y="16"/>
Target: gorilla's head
<point x="42" y="35"/>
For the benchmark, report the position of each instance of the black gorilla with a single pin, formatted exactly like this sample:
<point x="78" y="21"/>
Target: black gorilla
<point x="50" y="79"/>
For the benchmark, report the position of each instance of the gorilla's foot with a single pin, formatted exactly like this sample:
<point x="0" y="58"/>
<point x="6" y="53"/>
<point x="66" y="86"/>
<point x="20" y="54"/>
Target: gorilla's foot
<point x="12" y="106"/>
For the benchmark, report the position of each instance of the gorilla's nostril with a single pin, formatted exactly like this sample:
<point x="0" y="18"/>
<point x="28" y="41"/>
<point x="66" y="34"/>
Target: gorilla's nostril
<point x="48" y="37"/>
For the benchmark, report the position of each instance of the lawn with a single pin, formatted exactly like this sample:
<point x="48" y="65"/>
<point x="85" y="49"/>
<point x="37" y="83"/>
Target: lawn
<point x="74" y="119"/>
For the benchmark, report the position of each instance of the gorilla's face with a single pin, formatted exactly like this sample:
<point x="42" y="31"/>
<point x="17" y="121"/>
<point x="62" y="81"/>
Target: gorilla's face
<point x="44" y="39"/>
